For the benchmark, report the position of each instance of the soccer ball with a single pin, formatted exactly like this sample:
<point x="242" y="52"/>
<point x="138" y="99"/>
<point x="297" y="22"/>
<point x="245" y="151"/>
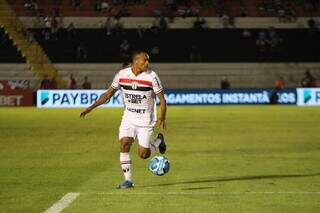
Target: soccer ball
<point x="159" y="165"/>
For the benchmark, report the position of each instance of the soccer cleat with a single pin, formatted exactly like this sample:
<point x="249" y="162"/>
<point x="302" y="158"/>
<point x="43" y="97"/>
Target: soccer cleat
<point x="126" y="185"/>
<point x="162" y="145"/>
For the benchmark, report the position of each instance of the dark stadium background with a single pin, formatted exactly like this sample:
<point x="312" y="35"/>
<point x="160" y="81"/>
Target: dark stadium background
<point x="255" y="52"/>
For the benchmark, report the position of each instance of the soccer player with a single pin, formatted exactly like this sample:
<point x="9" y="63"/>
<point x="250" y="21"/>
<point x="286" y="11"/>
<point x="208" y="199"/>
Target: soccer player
<point x="139" y="86"/>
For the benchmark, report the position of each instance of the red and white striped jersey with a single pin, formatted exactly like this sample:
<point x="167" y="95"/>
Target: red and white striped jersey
<point x="138" y="95"/>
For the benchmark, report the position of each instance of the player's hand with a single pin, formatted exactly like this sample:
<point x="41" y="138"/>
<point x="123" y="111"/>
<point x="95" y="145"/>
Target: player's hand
<point x="162" y="124"/>
<point x="86" y="111"/>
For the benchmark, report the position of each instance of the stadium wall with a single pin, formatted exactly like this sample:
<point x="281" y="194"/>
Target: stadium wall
<point x="202" y="75"/>
<point x="179" y="23"/>
<point x="179" y="75"/>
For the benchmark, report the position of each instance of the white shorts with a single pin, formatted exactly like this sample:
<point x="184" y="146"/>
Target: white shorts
<point x="127" y="129"/>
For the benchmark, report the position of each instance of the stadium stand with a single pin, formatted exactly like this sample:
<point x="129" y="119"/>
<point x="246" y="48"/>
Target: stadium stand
<point x="8" y="52"/>
<point x="251" y="8"/>
<point x="97" y="53"/>
<point x="281" y="45"/>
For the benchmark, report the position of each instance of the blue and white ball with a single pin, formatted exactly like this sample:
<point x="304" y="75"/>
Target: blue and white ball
<point x="159" y="165"/>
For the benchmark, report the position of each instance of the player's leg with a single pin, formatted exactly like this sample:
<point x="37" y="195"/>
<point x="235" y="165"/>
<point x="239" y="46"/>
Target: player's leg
<point x="160" y="143"/>
<point x="126" y="135"/>
<point x="144" y="138"/>
<point x="147" y="146"/>
<point x="144" y="152"/>
<point x="125" y="160"/>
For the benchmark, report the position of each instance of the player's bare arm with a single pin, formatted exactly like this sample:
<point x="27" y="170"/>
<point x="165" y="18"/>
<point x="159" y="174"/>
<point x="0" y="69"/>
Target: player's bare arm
<point x="102" y="99"/>
<point x="163" y="111"/>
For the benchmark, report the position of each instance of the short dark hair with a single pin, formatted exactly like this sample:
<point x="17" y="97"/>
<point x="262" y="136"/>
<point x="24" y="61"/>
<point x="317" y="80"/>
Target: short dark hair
<point x="138" y="52"/>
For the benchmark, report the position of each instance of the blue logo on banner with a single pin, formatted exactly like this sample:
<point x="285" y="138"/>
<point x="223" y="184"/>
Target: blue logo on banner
<point x="307" y="96"/>
<point x="44" y="97"/>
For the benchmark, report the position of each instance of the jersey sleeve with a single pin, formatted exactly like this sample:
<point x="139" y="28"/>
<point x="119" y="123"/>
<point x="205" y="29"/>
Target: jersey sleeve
<point x="115" y="83"/>
<point x="156" y="84"/>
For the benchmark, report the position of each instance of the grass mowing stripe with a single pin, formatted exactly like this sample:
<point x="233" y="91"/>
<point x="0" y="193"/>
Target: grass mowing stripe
<point x="63" y="203"/>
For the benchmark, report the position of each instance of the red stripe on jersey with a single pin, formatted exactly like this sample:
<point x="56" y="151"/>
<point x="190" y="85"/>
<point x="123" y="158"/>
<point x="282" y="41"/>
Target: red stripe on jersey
<point x="127" y="80"/>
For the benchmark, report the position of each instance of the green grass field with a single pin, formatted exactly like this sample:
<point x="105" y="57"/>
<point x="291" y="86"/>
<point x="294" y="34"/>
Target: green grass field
<point x="223" y="159"/>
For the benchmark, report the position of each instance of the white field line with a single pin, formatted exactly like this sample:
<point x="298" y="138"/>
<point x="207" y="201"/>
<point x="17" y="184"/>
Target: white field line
<point x="63" y="203"/>
<point x="129" y="192"/>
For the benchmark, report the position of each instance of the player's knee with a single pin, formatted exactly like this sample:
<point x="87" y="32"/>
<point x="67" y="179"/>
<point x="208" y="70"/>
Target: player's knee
<point x="144" y="155"/>
<point x="125" y="145"/>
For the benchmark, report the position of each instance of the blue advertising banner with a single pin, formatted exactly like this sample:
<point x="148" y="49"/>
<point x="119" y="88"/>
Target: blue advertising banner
<point x="74" y="98"/>
<point x="84" y="98"/>
<point x="234" y="96"/>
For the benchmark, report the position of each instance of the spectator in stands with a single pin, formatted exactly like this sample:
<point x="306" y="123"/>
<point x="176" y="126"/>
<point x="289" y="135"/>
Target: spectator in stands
<point x="46" y="34"/>
<point x="30" y="37"/>
<point x="123" y="12"/>
<point x="281" y="15"/>
<point x="47" y="21"/>
<point x="71" y="31"/>
<point x="53" y="83"/>
<point x="82" y="51"/>
<point x="312" y="25"/>
<point x="28" y="5"/>
<point x="155" y="51"/>
<point x="86" y="84"/>
<point x="72" y="84"/>
<point x="38" y="22"/>
<point x="97" y="6"/>
<point x="262" y="42"/>
<point x="243" y="12"/>
<point x="246" y="33"/>
<point x="200" y="24"/>
<point x="171" y="5"/>
<point x="116" y="2"/>
<point x="109" y="25"/>
<point x="195" y="55"/>
<point x="140" y="31"/>
<point x="279" y="85"/>
<point x="33" y="6"/>
<point x="156" y="23"/>
<point x="158" y="12"/>
<point x="274" y="40"/>
<point x="76" y="4"/>
<point x="163" y="23"/>
<point x="309" y="80"/>
<point x="124" y="48"/>
<point x="225" y="84"/>
<point x="54" y="29"/>
<point x="45" y="83"/>
<point x="60" y="21"/>
<point x="105" y="6"/>
<point x="232" y="22"/>
<point x="117" y="25"/>
<point x="291" y="15"/>
<point x="197" y="24"/>
<point x="225" y="20"/>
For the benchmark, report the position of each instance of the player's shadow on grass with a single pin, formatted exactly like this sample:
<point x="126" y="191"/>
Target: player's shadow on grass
<point x="237" y="178"/>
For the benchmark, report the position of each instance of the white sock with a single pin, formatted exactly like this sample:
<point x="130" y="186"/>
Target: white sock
<point x="154" y="146"/>
<point x="125" y="161"/>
